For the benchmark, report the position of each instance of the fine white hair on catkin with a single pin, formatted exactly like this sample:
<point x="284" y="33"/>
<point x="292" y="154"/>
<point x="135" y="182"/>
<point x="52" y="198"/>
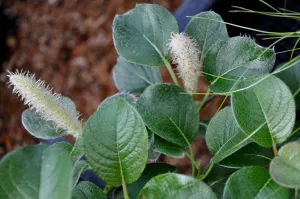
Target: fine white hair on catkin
<point x="185" y="54"/>
<point x="47" y="104"/>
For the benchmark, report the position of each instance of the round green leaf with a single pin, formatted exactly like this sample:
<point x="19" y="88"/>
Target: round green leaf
<point x="170" y="113"/>
<point x="250" y="155"/>
<point x="291" y="77"/>
<point x="224" y="136"/>
<point x="36" y="172"/>
<point x="150" y="171"/>
<point x="176" y="186"/>
<point x="168" y="148"/>
<point x="285" y="168"/>
<point x="135" y="78"/>
<point x="141" y="35"/>
<point x="265" y="110"/>
<point x="115" y="142"/>
<point x="253" y="182"/>
<point x="238" y="60"/>
<point x="87" y="190"/>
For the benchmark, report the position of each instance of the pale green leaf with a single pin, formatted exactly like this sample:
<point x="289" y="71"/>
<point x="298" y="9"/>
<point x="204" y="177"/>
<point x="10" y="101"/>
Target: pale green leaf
<point x="285" y="168"/>
<point x="36" y="172"/>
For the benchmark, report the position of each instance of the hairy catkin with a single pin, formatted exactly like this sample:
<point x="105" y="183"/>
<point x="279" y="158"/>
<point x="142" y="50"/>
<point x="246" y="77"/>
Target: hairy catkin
<point x="48" y="105"/>
<point x="185" y="54"/>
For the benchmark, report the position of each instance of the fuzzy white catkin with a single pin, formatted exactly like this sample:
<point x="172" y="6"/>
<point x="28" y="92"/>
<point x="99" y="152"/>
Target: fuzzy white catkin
<point x="48" y="105"/>
<point x="185" y="54"/>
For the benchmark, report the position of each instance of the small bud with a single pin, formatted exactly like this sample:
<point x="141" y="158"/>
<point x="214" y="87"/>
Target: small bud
<point x="48" y="105"/>
<point x="185" y="54"/>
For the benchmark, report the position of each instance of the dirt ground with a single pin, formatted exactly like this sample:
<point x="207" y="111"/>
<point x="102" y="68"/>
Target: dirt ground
<point x="69" y="45"/>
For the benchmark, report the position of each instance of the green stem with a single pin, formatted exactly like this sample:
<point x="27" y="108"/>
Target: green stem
<point x="169" y="67"/>
<point x="296" y="193"/>
<point x="211" y="166"/>
<point x="108" y="189"/>
<point x="274" y="147"/>
<point x="204" y="99"/>
<point x="192" y="159"/>
<point x="125" y="192"/>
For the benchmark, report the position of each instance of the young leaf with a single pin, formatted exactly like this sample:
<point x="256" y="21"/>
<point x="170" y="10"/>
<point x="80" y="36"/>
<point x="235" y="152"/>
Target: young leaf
<point x="224" y="136"/>
<point x="250" y="155"/>
<point x="140" y="35"/>
<point x="168" y="148"/>
<point x="115" y="142"/>
<point x="37" y="171"/>
<point x="150" y="171"/>
<point x="206" y="32"/>
<point x="152" y="155"/>
<point x="170" y="113"/>
<point x="253" y="182"/>
<point x="135" y="78"/>
<point x="77" y="151"/>
<point x="38" y="127"/>
<point x="176" y="186"/>
<point x="238" y="60"/>
<point x="79" y="167"/>
<point x="271" y="103"/>
<point x="41" y="128"/>
<point x="87" y="190"/>
<point x="291" y="77"/>
<point x="285" y="168"/>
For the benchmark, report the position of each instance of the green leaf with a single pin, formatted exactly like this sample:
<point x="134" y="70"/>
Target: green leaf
<point x="41" y="128"/>
<point x="135" y="78"/>
<point x="152" y="155"/>
<point x="253" y="182"/>
<point x="130" y="98"/>
<point x="78" y="168"/>
<point x="87" y="190"/>
<point x="168" y="148"/>
<point x="176" y="186"/>
<point x="36" y="172"/>
<point x="170" y="113"/>
<point x="141" y="35"/>
<point x="250" y="155"/>
<point x="150" y="171"/>
<point x="77" y="151"/>
<point x="38" y="127"/>
<point x="238" y="60"/>
<point x="267" y="108"/>
<point x="291" y="77"/>
<point x="64" y="145"/>
<point x="285" y="168"/>
<point x="224" y="136"/>
<point x="115" y="142"/>
<point x="217" y="178"/>
<point x="208" y="34"/>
